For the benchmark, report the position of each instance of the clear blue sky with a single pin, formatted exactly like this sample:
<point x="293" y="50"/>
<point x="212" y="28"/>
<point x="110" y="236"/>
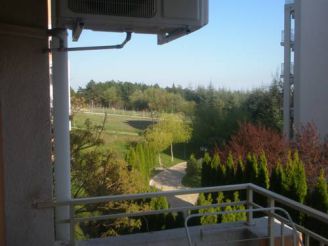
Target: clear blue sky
<point x="238" y="49"/>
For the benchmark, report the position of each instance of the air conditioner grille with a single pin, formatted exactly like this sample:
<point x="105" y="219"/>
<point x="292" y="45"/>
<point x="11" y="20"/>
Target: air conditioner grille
<point x="124" y="8"/>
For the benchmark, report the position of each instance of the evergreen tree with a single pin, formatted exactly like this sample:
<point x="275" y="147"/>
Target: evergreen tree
<point x="229" y="217"/>
<point x="298" y="185"/>
<point x="240" y="172"/>
<point x="203" y="201"/>
<point x="319" y="200"/>
<point x="278" y="179"/>
<point x="263" y="173"/>
<point x="251" y="169"/>
<point x="230" y="170"/>
<point x="221" y="175"/>
<point x="215" y="163"/>
<point x="219" y="200"/>
<point x="242" y="215"/>
<point x="206" y="170"/>
<point x="319" y="196"/>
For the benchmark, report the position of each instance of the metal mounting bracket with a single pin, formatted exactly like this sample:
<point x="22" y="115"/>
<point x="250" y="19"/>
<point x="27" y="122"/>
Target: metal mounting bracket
<point x="76" y="33"/>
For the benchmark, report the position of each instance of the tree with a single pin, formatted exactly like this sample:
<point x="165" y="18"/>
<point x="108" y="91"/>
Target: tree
<point x="203" y="201"/>
<point x="97" y="171"/>
<point x="251" y="168"/>
<point x="171" y="129"/>
<point x="240" y="171"/>
<point x="230" y="170"/>
<point x="206" y="170"/>
<point x="158" y="139"/>
<point x="278" y="179"/>
<point x="263" y="178"/>
<point x="319" y="196"/>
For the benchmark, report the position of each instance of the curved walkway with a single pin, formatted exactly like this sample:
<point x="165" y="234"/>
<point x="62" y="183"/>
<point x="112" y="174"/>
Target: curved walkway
<point x="170" y="179"/>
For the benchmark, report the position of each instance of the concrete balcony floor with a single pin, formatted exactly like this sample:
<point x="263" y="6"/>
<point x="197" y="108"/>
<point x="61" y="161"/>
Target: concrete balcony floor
<point x="236" y="234"/>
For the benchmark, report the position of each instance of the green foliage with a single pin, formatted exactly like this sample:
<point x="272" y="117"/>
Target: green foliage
<point x="242" y="215"/>
<point x="215" y="176"/>
<point x="142" y="157"/>
<point x="194" y="166"/>
<point x="170" y="129"/>
<point x="230" y="170"/>
<point x="97" y="171"/>
<point x="296" y="179"/>
<point x="251" y="168"/>
<point x="239" y="177"/>
<point x="206" y="170"/>
<point x="318" y="200"/>
<point x="203" y="201"/>
<point x="264" y="106"/>
<point x="319" y="196"/>
<point x="263" y="178"/>
<point x="278" y="179"/>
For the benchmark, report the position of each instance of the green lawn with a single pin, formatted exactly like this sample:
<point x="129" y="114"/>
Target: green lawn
<point x="122" y="130"/>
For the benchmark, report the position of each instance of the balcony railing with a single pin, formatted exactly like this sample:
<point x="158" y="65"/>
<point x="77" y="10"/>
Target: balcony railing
<point x="289" y="1"/>
<point x="292" y="37"/>
<point x="292" y="70"/>
<point x="251" y="207"/>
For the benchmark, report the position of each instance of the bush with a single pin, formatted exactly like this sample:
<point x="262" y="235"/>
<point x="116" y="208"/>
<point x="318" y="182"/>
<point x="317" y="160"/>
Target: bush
<point x="194" y="166"/>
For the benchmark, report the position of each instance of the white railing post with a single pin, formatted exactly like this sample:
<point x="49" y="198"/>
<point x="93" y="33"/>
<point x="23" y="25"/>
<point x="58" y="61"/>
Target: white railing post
<point x="250" y="206"/>
<point x="271" y="222"/>
<point x="62" y="167"/>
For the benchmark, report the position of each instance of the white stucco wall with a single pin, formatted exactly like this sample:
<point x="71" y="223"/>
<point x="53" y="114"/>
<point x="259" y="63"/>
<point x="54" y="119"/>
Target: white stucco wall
<point x="311" y="61"/>
<point x="24" y="95"/>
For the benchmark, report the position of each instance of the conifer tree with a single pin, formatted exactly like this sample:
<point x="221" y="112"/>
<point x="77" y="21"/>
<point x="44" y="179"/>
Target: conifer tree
<point x="251" y="169"/>
<point x="230" y="170"/>
<point x="206" y="170"/>
<point x="219" y="200"/>
<point x="319" y="200"/>
<point x="298" y="188"/>
<point x="278" y="179"/>
<point x="203" y="201"/>
<point x="215" y="163"/>
<point x="229" y="217"/>
<point x="263" y="173"/>
<point x="242" y="215"/>
<point x="319" y="196"/>
<point x="240" y="172"/>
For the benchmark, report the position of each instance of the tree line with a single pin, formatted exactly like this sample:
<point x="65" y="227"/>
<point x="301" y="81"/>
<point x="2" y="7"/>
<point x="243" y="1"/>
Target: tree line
<point x="215" y="113"/>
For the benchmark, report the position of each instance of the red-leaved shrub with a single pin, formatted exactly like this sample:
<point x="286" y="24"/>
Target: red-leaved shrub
<point x="256" y="139"/>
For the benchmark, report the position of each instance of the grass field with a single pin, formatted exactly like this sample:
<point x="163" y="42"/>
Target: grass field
<point x="122" y="130"/>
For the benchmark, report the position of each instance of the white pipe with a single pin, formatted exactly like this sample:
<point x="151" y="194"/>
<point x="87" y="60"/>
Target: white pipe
<point x="61" y="134"/>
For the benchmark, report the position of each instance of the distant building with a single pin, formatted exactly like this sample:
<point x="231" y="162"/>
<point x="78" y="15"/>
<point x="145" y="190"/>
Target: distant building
<point x="305" y="68"/>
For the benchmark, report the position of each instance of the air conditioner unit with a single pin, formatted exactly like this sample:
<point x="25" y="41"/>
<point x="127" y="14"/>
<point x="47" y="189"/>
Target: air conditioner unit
<point x="169" y="19"/>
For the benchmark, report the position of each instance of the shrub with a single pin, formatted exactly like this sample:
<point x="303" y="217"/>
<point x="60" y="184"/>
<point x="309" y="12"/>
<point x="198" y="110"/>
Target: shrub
<point x="194" y="166"/>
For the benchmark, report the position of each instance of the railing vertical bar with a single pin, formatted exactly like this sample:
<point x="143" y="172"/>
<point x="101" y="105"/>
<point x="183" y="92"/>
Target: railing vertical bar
<point x="307" y="239"/>
<point x="72" y="225"/>
<point x="282" y="234"/>
<point x="322" y="244"/>
<point x="271" y="222"/>
<point x="250" y="206"/>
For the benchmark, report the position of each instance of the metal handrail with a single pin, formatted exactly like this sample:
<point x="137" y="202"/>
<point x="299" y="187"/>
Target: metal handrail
<point x="269" y="210"/>
<point x="250" y="188"/>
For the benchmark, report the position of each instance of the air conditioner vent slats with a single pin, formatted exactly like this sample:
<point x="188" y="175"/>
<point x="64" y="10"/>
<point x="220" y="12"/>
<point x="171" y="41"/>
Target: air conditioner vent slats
<point x="124" y="8"/>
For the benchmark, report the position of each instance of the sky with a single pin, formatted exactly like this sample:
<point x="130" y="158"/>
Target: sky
<point x="239" y="50"/>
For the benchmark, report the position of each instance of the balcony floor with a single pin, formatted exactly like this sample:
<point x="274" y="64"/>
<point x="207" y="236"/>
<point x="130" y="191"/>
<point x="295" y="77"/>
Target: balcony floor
<point x="221" y="234"/>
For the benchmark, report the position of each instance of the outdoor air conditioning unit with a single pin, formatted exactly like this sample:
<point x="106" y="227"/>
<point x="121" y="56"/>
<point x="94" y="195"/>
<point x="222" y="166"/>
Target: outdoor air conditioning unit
<point x="169" y="19"/>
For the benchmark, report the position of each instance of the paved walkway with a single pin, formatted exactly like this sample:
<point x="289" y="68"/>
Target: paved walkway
<point x="170" y="179"/>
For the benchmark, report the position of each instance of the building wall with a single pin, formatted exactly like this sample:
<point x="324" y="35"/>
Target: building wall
<point x="311" y="64"/>
<point x="24" y="95"/>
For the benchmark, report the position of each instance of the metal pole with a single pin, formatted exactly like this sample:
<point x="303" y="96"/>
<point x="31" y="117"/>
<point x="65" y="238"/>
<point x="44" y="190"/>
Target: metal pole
<point x="250" y="206"/>
<point x="271" y="222"/>
<point x="61" y="134"/>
